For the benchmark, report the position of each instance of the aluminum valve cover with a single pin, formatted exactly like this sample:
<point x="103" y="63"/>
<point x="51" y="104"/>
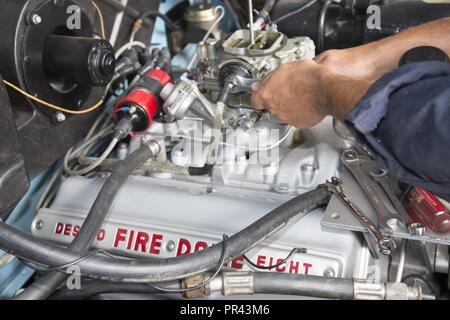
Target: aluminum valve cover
<point x="166" y="218"/>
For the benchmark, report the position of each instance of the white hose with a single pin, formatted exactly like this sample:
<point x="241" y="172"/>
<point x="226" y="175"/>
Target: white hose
<point x="128" y="46"/>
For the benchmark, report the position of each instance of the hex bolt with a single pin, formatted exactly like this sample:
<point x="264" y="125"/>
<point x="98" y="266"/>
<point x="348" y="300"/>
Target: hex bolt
<point x="248" y="124"/>
<point x="170" y="246"/>
<point x="329" y="272"/>
<point x="38" y="225"/>
<point x="350" y="155"/>
<point x="36" y="19"/>
<point x="60" y="117"/>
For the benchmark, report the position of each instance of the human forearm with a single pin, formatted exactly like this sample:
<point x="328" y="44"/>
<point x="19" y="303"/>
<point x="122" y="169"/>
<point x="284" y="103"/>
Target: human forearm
<point x="371" y="61"/>
<point x="386" y="53"/>
<point x="342" y="93"/>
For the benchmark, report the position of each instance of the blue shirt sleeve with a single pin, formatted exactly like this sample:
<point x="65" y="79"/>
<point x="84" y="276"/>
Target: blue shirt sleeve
<point x="405" y="119"/>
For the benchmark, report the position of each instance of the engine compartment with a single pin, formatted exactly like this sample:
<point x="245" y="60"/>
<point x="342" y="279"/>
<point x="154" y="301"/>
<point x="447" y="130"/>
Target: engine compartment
<point x="218" y="166"/>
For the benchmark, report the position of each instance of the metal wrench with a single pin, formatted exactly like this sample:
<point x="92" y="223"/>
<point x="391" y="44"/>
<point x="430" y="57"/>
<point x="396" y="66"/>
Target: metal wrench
<point x="382" y="177"/>
<point x="385" y="244"/>
<point x="242" y="84"/>
<point x="386" y="218"/>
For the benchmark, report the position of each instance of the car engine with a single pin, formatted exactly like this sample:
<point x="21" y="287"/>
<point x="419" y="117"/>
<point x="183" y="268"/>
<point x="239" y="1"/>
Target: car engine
<point x="187" y="169"/>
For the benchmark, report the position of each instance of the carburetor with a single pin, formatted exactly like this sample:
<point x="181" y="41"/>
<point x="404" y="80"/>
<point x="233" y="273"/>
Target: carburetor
<point x="239" y="60"/>
<point x="236" y="62"/>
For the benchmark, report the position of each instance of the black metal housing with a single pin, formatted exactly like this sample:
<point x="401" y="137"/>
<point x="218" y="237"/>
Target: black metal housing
<point x="13" y="175"/>
<point x="89" y="61"/>
<point x="39" y="139"/>
<point x="346" y="22"/>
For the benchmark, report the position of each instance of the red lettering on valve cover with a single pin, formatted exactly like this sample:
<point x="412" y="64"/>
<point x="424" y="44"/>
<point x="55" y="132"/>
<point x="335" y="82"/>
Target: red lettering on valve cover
<point x="69" y="230"/>
<point x="201" y="245"/>
<point x="120" y="236"/>
<point x="141" y="241"/>
<point x="280" y="268"/>
<point x="130" y="240"/>
<point x="156" y="244"/>
<point x="184" y="247"/>
<point x="261" y="260"/>
<point x="59" y="228"/>
<point x="307" y="266"/>
<point x="293" y="268"/>
<point x="237" y="263"/>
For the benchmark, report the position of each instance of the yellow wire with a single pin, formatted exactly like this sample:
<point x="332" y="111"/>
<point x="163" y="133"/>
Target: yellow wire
<point x="50" y="105"/>
<point x="102" y="21"/>
<point x="53" y="106"/>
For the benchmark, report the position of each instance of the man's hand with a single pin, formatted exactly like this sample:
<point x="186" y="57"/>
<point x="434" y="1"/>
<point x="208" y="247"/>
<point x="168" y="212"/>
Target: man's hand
<point x="302" y="93"/>
<point x="293" y="94"/>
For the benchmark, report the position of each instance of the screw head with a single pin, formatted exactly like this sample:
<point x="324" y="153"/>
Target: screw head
<point x="38" y="225"/>
<point x="350" y="155"/>
<point x="170" y="246"/>
<point x="329" y="272"/>
<point x="36" y="19"/>
<point x="60" y="117"/>
<point x="248" y="124"/>
<point x="386" y="245"/>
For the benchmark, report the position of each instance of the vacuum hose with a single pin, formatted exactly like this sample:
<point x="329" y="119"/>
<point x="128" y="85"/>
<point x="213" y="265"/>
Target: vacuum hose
<point x="263" y="283"/>
<point x="46" y="285"/>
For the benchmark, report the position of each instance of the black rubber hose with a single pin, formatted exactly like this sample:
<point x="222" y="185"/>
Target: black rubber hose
<point x="303" y="285"/>
<point x="321" y="27"/>
<point x="154" y="269"/>
<point x="264" y="283"/>
<point x="202" y="171"/>
<point x="92" y="288"/>
<point x="268" y="5"/>
<point x="153" y="14"/>
<point x="46" y="285"/>
<point x="295" y="12"/>
<point x="265" y="11"/>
